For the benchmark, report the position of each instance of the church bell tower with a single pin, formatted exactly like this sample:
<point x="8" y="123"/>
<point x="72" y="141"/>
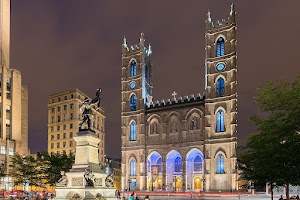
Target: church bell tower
<point x="136" y="94"/>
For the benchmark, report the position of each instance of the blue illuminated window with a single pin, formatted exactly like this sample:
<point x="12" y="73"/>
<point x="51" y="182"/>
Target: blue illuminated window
<point x="159" y="165"/>
<point x="220" y="47"/>
<point x="220" y="164"/>
<point x="133" y="68"/>
<point x="132" y="85"/>
<point x="220" y="66"/>
<point x="133" y="167"/>
<point x="197" y="164"/>
<point x="132" y="131"/>
<point x="220" y="121"/>
<point x="220" y="87"/>
<point x="178" y="164"/>
<point x="133" y="103"/>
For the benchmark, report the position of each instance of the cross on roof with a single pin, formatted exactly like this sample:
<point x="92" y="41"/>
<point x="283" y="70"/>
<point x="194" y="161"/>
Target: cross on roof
<point x="174" y="94"/>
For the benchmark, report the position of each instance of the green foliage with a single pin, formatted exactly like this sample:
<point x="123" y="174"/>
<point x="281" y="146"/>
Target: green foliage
<point x="272" y="156"/>
<point x="39" y="171"/>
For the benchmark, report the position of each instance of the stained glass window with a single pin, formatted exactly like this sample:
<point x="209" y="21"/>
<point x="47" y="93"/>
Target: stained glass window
<point x="220" y="164"/>
<point x="133" y="68"/>
<point x="220" y="87"/>
<point x="220" y="121"/>
<point x="178" y="164"/>
<point x="133" y="103"/>
<point x="133" y="167"/>
<point x="132" y="131"/>
<point x="220" y="47"/>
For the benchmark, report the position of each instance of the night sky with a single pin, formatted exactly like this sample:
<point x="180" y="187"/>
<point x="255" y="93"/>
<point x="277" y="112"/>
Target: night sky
<point x="63" y="44"/>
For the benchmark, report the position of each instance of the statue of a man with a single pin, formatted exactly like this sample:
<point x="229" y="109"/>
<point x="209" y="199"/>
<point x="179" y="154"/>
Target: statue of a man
<point x="86" y="109"/>
<point x="89" y="178"/>
<point x="63" y="181"/>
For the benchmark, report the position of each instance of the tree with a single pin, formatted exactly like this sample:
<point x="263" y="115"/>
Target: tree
<point x="24" y="170"/>
<point x="55" y="163"/>
<point x="272" y="156"/>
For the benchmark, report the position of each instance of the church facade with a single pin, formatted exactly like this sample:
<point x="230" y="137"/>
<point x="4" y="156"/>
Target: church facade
<point x="183" y="143"/>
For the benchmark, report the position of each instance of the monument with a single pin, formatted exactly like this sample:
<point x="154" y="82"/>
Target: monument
<point x="86" y="179"/>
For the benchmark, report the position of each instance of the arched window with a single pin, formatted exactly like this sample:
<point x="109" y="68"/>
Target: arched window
<point x="220" y="87"/>
<point x="197" y="164"/>
<point x="132" y="131"/>
<point x="220" y="164"/>
<point x="220" y="121"/>
<point x="178" y="164"/>
<point x="194" y="124"/>
<point x="133" y="103"/>
<point x="133" y="167"/>
<point x="220" y="47"/>
<point x="159" y="165"/>
<point x="133" y="68"/>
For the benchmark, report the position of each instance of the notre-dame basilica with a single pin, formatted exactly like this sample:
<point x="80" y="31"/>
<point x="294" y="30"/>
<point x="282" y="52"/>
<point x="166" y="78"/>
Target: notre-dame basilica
<point x="183" y="143"/>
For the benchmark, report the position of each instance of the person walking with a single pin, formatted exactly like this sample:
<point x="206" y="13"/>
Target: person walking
<point x="147" y="197"/>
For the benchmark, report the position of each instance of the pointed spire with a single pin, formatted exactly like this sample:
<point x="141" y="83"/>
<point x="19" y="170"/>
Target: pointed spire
<point x="142" y="37"/>
<point x="232" y="11"/>
<point x="208" y="17"/>
<point x="124" y="41"/>
<point x="142" y="41"/>
<point x="149" y="49"/>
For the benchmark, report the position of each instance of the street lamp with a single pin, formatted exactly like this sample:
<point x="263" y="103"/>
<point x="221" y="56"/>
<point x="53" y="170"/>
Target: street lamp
<point x="129" y="182"/>
<point x="204" y="181"/>
<point x="174" y="180"/>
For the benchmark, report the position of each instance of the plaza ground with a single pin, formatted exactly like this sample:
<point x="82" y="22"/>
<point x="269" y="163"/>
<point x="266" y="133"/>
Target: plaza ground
<point x="208" y="196"/>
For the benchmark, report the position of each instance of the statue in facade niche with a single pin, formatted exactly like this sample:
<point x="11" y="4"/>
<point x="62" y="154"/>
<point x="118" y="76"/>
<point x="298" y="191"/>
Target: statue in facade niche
<point x="89" y="178"/>
<point x="86" y="110"/>
<point x="63" y="181"/>
<point x="109" y="181"/>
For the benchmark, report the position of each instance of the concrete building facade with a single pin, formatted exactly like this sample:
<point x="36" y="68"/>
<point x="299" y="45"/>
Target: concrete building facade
<point x="13" y="101"/>
<point x="63" y="122"/>
<point x="182" y="143"/>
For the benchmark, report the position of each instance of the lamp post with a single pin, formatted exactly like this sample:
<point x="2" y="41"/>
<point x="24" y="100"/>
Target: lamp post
<point x="204" y="181"/>
<point x="129" y="182"/>
<point x="174" y="180"/>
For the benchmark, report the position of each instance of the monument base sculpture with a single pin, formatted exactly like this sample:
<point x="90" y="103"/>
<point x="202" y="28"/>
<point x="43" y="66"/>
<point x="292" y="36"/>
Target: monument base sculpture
<point x="86" y="180"/>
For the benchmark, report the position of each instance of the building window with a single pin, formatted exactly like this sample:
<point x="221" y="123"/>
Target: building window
<point x="220" y="87"/>
<point x="57" y="145"/>
<point x="58" y="99"/>
<point x="79" y="97"/>
<point x="132" y="131"/>
<point x="3" y="149"/>
<point x="8" y="84"/>
<point x="133" y="103"/>
<point x="197" y="164"/>
<point x="8" y="108"/>
<point x="58" y="118"/>
<point x="52" y="145"/>
<point x="58" y="136"/>
<point x="220" y="121"/>
<point x="52" y="110"/>
<point x="220" y="47"/>
<point x="71" y="134"/>
<point x="71" y="116"/>
<point x="58" y="128"/>
<point x="52" y="137"/>
<point x="64" y="144"/>
<point x="64" y="135"/>
<point x="65" y="98"/>
<point x="133" y="68"/>
<point x="71" y="106"/>
<point x="52" y="100"/>
<point x="10" y="151"/>
<point x="72" y="96"/>
<point x="71" y="126"/>
<point x="178" y="164"/>
<point x="58" y="109"/>
<point x="52" y="129"/>
<point x="65" y="117"/>
<point x="65" y="107"/>
<point x="65" y="127"/>
<point x="52" y="120"/>
<point x="220" y="164"/>
<point x="153" y="128"/>
<point x="71" y="143"/>
<point x="133" y="167"/>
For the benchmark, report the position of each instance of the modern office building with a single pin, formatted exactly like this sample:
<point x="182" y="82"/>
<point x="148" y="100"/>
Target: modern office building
<point x="13" y="101"/>
<point x="63" y="122"/>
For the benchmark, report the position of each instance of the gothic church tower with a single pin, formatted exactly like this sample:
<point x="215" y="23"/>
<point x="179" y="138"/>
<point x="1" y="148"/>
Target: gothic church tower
<point x="136" y="93"/>
<point x="221" y="102"/>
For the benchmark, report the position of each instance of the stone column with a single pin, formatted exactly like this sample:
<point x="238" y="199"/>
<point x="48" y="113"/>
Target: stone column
<point x="184" y="175"/>
<point x="164" y="177"/>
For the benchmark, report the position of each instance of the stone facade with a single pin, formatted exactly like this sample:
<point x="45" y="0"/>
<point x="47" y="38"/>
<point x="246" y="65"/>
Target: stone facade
<point x="63" y="122"/>
<point x="183" y="144"/>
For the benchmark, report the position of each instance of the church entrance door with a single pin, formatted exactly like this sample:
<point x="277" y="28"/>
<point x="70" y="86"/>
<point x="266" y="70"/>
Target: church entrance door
<point x="197" y="183"/>
<point x="178" y="183"/>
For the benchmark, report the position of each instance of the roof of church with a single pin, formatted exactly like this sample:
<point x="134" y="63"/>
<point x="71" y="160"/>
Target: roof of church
<point x="176" y="101"/>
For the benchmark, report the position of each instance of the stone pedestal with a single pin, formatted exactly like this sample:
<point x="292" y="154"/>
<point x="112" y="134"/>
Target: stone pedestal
<point x="85" y="180"/>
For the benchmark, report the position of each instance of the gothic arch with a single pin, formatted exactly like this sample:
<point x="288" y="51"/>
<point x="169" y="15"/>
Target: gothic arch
<point x="192" y="111"/>
<point x="220" y="108"/>
<point x="222" y="36"/>
<point x="194" y="149"/>
<point x="155" y="116"/>
<point x="222" y="151"/>
<point x="132" y="93"/>
<point x="174" y="113"/>
<point x="220" y="76"/>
